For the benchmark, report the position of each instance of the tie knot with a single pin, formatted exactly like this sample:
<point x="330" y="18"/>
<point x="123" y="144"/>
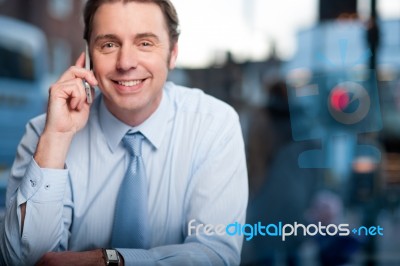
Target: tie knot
<point x="133" y="143"/>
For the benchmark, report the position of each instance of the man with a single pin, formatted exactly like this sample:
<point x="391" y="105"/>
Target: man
<point x="67" y="179"/>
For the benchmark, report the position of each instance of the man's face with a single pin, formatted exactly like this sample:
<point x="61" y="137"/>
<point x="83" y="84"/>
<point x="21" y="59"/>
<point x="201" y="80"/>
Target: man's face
<point x="131" y="57"/>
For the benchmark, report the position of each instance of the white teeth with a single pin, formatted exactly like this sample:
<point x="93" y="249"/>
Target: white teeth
<point x="130" y="83"/>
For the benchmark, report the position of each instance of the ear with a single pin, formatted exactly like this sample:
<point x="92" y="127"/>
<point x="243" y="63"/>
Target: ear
<point x="173" y="56"/>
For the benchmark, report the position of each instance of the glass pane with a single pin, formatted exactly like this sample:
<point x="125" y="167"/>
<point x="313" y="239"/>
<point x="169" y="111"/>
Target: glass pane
<point x="15" y="65"/>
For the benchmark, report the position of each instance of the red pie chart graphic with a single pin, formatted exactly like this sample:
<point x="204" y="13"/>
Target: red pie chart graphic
<point x="349" y="102"/>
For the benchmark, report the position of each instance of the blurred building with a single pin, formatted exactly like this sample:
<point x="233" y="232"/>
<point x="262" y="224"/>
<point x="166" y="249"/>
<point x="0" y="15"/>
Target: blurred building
<point x="329" y="9"/>
<point x="62" y="22"/>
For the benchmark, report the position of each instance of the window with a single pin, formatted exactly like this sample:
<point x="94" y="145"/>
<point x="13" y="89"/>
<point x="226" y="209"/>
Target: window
<point x="15" y="65"/>
<point x="59" y="9"/>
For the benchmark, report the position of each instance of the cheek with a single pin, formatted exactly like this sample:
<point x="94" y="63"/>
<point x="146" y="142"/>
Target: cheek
<point x="99" y="68"/>
<point x="160" y="60"/>
<point x="103" y="83"/>
<point x="102" y="63"/>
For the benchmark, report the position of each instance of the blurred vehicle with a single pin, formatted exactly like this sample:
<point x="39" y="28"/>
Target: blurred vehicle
<point x="23" y="76"/>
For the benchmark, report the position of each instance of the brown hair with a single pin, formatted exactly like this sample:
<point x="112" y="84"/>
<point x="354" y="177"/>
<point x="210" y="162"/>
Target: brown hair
<point x="167" y="8"/>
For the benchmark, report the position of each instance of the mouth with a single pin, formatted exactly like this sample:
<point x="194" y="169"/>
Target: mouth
<point x="130" y="83"/>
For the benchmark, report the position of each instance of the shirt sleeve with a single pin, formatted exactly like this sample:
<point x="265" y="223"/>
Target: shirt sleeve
<point x="48" y="211"/>
<point x="216" y="201"/>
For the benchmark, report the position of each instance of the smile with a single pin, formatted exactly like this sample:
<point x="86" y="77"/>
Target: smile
<point x="130" y="83"/>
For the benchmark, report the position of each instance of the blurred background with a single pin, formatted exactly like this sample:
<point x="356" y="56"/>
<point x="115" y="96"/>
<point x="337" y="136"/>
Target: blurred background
<point x="316" y="84"/>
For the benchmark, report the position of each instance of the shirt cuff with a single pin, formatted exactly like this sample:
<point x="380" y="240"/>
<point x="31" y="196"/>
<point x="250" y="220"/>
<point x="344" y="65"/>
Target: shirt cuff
<point x="136" y="257"/>
<point x="42" y="184"/>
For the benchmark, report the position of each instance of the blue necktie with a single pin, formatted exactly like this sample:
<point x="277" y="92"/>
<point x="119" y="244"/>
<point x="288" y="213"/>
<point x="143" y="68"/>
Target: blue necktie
<point x="130" y="228"/>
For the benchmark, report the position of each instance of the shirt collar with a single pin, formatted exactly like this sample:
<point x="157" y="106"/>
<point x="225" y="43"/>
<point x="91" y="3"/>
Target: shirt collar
<point x="114" y="130"/>
<point x="153" y="128"/>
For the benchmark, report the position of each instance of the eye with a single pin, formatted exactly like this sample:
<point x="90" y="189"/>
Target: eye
<point x="146" y="44"/>
<point x="108" y="45"/>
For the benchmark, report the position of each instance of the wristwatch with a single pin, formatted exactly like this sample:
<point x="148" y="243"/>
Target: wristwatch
<point x="111" y="257"/>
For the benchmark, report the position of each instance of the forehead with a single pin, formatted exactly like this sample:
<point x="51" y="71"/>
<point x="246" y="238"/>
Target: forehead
<point x="129" y="18"/>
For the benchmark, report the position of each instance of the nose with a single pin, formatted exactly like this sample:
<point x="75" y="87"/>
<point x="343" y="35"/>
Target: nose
<point x="127" y="58"/>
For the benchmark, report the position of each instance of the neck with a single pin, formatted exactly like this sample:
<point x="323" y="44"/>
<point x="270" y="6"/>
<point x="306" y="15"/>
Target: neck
<point x="133" y="117"/>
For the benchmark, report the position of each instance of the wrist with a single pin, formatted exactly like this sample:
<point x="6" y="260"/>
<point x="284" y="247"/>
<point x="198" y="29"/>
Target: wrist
<point x="52" y="149"/>
<point x="112" y="257"/>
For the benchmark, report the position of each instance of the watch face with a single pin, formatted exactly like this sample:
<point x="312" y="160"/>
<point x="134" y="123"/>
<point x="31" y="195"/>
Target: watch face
<point x="112" y="255"/>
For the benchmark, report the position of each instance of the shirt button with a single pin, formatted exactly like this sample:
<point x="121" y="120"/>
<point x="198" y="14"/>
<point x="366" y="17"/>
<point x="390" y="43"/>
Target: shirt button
<point x="33" y="183"/>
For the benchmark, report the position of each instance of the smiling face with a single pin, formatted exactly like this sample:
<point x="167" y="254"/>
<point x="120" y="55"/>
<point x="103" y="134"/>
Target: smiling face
<point x="131" y="56"/>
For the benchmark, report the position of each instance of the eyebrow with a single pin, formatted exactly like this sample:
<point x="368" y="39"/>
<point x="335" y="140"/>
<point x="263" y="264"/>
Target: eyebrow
<point x="146" y="35"/>
<point x="105" y="37"/>
<point x="137" y="36"/>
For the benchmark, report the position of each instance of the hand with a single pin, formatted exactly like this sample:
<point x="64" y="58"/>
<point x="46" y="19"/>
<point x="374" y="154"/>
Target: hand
<point x="67" y="113"/>
<point x="87" y="258"/>
<point x="68" y="110"/>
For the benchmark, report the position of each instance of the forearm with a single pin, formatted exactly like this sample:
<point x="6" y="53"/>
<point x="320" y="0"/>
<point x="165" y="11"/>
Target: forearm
<point x="10" y="238"/>
<point x="40" y="235"/>
<point x="41" y="228"/>
<point x="86" y="258"/>
<point x="52" y="150"/>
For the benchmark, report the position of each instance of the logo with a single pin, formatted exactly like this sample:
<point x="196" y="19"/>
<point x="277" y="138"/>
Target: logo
<point x="349" y="103"/>
<point x="281" y="230"/>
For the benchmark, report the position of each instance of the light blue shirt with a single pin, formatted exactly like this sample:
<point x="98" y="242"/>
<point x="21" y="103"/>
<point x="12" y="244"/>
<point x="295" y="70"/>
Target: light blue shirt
<point x="196" y="169"/>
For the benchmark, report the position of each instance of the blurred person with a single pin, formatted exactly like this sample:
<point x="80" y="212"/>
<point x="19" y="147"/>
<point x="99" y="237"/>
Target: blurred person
<point x="373" y="40"/>
<point x="327" y="208"/>
<point x="68" y="196"/>
<point x="271" y="123"/>
<point x="280" y="191"/>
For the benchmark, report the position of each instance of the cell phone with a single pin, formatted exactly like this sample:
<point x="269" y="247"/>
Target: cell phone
<point x="88" y="89"/>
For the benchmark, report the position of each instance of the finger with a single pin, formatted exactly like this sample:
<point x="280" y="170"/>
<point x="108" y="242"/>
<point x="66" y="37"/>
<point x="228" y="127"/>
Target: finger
<point x="80" y="62"/>
<point x="79" y="72"/>
<point x="71" y="91"/>
<point x="83" y="95"/>
<point x="79" y="98"/>
<point x="88" y="98"/>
